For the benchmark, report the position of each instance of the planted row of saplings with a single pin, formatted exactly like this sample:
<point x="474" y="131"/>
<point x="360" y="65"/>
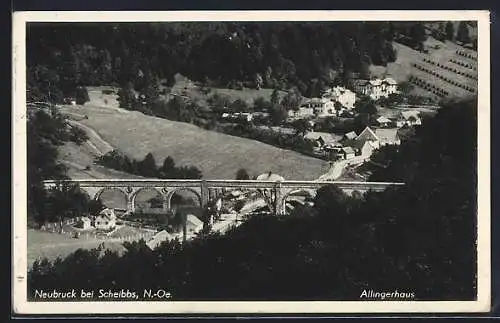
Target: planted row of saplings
<point x="444" y="78"/>
<point x="463" y="64"/>
<point x="428" y="86"/>
<point x="466" y="54"/>
<point x="451" y="69"/>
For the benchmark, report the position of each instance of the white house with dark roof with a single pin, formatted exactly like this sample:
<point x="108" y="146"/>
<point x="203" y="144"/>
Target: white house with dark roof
<point x="376" y="88"/>
<point x="320" y="106"/>
<point x="106" y="219"/>
<point x="342" y="95"/>
<point x="350" y="135"/>
<point x="369" y="140"/>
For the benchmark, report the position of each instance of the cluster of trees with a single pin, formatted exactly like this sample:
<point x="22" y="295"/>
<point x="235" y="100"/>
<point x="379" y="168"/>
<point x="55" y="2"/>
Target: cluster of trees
<point x="287" y="141"/>
<point x="418" y="238"/>
<point x="61" y="57"/>
<point x="148" y="167"/>
<point x="46" y="131"/>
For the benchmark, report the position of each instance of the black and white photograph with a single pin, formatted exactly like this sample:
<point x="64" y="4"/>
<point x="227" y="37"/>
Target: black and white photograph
<point x="241" y="162"/>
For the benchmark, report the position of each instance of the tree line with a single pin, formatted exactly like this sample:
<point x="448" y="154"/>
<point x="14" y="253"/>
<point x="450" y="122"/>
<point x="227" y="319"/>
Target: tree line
<point x="46" y="131"/>
<point x="148" y="167"/>
<point x="61" y="57"/>
<point x="418" y="238"/>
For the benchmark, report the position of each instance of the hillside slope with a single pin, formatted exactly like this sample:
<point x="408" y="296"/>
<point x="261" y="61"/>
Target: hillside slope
<point x="218" y="156"/>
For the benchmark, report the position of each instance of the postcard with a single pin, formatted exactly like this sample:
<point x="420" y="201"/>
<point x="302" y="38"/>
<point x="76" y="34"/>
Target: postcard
<point x="251" y="162"/>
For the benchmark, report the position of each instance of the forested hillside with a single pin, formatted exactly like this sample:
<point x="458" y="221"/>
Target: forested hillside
<point x="62" y="56"/>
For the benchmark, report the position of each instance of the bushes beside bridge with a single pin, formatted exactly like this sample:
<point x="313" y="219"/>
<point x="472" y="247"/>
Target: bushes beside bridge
<point x="147" y="167"/>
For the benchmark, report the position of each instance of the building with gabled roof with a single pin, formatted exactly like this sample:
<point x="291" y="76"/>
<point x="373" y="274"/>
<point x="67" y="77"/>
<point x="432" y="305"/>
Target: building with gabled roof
<point x="159" y="238"/>
<point x="383" y="121"/>
<point x="105" y="220"/>
<point x="350" y="135"/>
<point x="376" y="88"/>
<point x="388" y="136"/>
<point x="409" y="118"/>
<point x="367" y="135"/>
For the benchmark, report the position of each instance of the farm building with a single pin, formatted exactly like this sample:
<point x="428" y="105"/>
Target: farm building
<point x="106" y="219"/>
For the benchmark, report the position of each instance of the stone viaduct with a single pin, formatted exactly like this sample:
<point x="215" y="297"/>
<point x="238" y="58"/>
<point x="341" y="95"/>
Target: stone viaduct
<point x="209" y="190"/>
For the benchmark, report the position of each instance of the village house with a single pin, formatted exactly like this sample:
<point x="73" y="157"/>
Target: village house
<point x="376" y="88"/>
<point x="105" y="220"/>
<point x="323" y="138"/>
<point x="388" y="136"/>
<point x="84" y="223"/>
<point x="409" y="118"/>
<point x="193" y="224"/>
<point x="342" y="95"/>
<point x="348" y="152"/>
<point x="334" y="151"/>
<point x="320" y="106"/>
<point x="301" y="113"/>
<point x="383" y="122"/>
<point x="350" y="135"/>
<point x="369" y="140"/>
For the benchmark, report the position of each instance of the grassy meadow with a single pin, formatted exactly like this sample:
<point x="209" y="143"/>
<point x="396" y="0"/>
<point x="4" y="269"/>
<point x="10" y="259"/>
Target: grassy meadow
<point x="218" y="156"/>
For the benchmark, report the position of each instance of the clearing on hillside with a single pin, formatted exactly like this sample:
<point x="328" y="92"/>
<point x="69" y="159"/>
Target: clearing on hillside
<point x="218" y="156"/>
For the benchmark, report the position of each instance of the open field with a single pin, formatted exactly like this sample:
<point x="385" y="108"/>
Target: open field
<point x="217" y="155"/>
<point x="52" y="245"/>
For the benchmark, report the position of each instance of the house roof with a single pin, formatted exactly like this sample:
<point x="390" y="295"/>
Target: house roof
<point x="383" y="119"/>
<point x="193" y="221"/>
<point x="326" y="136"/>
<point x="390" y="80"/>
<point x="351" y="135"/>
<point x="367" y="135"/>
<point x="159" y="238"/>
<point x="387" y="135"/>
<point x="376" y="82"/>
<point x="107" y="213"/>
<point x="348" y="150"/>
<point x="410" y="113"/>
<point x="358" y="145"/>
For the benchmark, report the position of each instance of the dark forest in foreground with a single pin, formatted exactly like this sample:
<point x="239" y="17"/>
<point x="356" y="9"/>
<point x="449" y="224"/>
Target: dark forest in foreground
<point x="420" y="238"/>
